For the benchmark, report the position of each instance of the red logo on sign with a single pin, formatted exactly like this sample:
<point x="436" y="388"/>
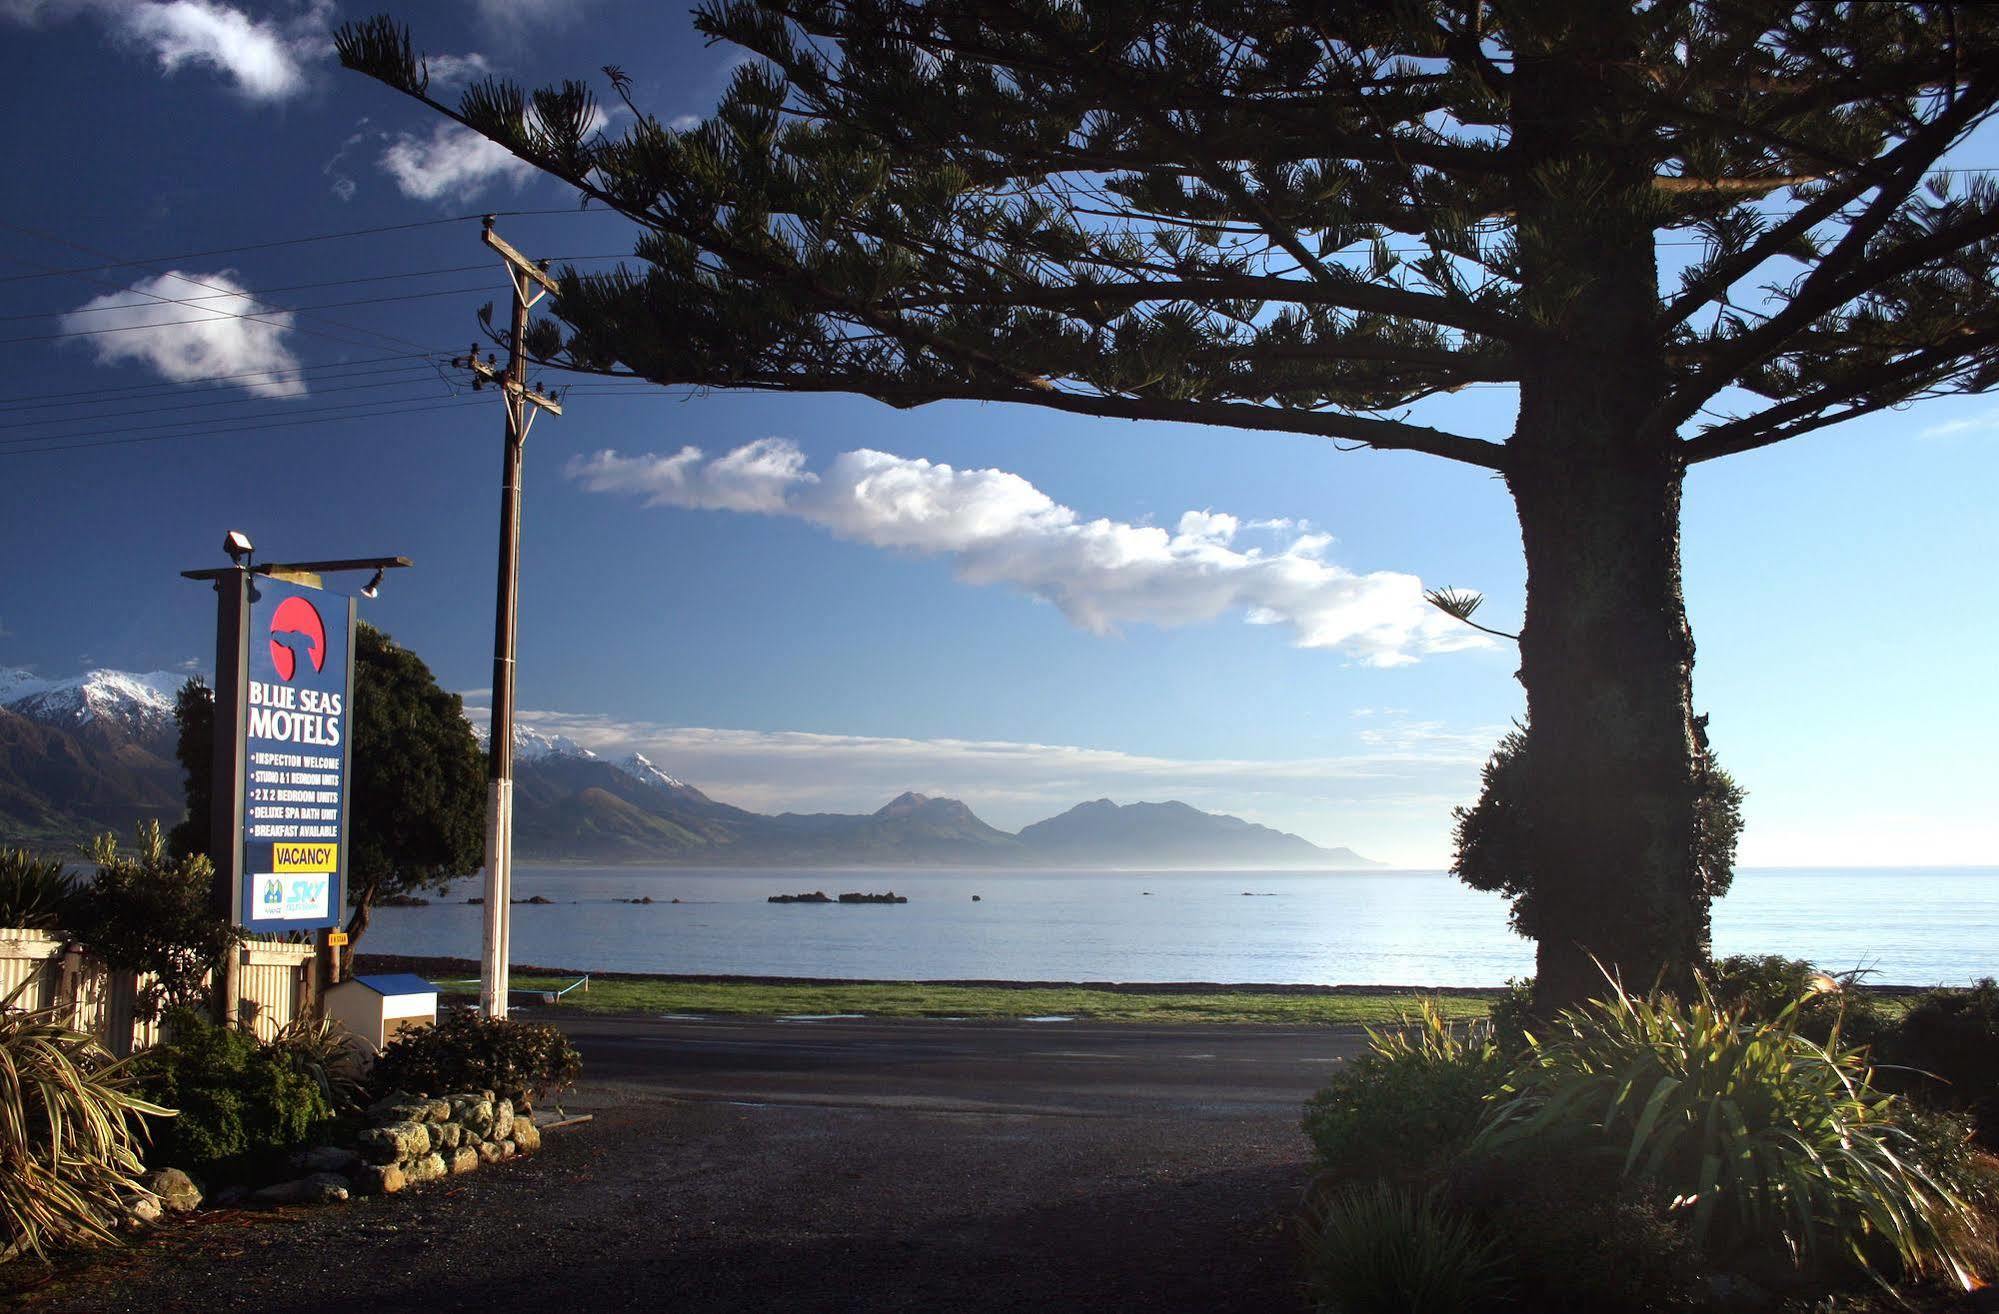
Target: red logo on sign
<point x="297" y="616"/>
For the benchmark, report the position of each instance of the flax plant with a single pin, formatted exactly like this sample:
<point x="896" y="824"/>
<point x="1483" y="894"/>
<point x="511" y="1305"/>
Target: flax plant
<point x="1762" y="1136"/>
<point x="71" y="1131"/>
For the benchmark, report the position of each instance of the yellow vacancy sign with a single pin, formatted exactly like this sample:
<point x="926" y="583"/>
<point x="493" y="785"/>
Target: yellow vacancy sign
<point x="305" y="857"/>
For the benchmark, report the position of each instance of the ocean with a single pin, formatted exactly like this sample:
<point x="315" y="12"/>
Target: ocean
<point x="1926" y="926"/>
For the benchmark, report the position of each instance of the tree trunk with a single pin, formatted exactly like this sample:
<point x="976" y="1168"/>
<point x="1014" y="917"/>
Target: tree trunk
<point x="1612" y="756"/>
<point x="1613" y="760"/>
<point x="357" y="926"/>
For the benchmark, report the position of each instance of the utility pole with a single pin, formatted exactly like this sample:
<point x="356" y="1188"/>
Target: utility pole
<point x="530" y="283"/>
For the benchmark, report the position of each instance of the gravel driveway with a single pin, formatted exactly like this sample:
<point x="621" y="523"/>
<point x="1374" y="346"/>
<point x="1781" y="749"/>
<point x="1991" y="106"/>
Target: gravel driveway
<point x="830" y="1165"/>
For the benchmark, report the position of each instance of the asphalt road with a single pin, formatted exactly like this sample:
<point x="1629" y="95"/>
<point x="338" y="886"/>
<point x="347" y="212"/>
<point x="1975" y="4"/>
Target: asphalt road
<point x="832" y="1165"/>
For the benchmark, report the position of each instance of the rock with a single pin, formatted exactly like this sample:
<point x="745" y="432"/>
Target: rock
<point x="176" y="1190"/>
<point x="143" y="1211"/>
<point x="527" y="1136"/>
<point x="503" y="1120"/>
<point x="428" y="1168"/>
<point x="326" y="1159"/>
<point x="377" y="1179"/>
<point x="403" y="1111"/>
<point x="489" y="1151"/>
<point x="464" y="1159"/>
<point x="436" y="1110"/>
<point x="229" y="1197"/>
<point x="394" y="1143"/>
<point x="318" y="1189"/>
<point x="479" y="1117"/>
<point x="447" y="1135"/>
<point x="508" y="1149"/>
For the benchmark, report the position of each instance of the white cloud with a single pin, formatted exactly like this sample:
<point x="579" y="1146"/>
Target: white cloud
<point x="457" y="162"/>
<point x="1985" y="423"/>
<point x="684" y="122"/>
<point x="451" y="161"/>
<point x="266" y="58"/>
<point x="1384" y="789"/>
<point x="515" y="15"/>
<point x="201" y="340"/>
<point x="457" y="68"/>
<point x="1000" y="529"/>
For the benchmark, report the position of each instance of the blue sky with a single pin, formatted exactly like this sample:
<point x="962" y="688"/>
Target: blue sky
<point x="970" y="630"/>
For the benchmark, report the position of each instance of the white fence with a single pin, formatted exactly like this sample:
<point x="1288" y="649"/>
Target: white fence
<point x="274" y="985"/>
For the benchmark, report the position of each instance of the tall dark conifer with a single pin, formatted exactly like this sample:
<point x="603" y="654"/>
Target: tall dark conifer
<point x="1305" y="217"/>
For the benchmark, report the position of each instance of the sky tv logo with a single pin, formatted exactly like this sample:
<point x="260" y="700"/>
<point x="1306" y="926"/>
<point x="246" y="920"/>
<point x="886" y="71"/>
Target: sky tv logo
<point x="291" y="898"/>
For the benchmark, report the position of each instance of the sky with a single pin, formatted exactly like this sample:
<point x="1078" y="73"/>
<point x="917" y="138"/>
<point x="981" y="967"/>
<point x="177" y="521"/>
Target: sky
<point x="814" y="603"/>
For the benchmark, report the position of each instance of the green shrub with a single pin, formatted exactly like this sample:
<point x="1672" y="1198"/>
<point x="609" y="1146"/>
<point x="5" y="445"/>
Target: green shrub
<point x="71" y="1131"/>
<point x="1411" y="1103"/>
<point x="1953" y="1037"/>
<point x="1764" y="1139"/>
<point x="154" y="914"/>
<point x="1764" y="986"/>
<point x="35" y="893"/>
<point x="1577" y="1240"/>
<point x="1494" y="839"/>
<point x="328" y="1054"/>
<point x="1381" y="1249"/>
<point x="1513" y="1013"/>
<point x="242" y="1105"/>
<point x="525" y="1062"/>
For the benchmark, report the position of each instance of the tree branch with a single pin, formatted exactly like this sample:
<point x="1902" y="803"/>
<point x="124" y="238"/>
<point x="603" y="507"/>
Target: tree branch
<point x="1876" y="389"/>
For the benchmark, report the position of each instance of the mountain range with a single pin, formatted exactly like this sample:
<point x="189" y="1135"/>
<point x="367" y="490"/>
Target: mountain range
<point x="96" y="752"/>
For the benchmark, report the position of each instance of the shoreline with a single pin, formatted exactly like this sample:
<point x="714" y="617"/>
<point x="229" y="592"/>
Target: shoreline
<point x="462" y="968"/>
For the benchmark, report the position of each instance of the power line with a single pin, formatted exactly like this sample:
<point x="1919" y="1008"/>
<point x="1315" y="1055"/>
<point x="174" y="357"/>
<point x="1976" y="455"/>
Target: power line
<point x="205" y="420"/>
<point x="454" y="404"/>
<point x="219" y="315"/>
<point x="384" y="337"/>
<point x="222" y="382"/>
<point x="298" y="287"/>
<point x="299" y="241"/>
<point x="424" y="376"/>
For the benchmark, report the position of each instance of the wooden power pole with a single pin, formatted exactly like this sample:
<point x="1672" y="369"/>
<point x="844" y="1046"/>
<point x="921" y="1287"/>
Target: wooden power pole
<point x="531" y="283"/>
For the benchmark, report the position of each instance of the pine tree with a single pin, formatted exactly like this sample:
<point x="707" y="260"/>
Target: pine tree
<point x="1304" y="217"/>
<point x="419" y="788"/>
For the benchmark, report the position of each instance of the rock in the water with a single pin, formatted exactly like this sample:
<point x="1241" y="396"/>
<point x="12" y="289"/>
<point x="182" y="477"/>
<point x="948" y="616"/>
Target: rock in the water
<point x="395" y="1142"/>
<point x="377" y="1179"/>
<point x="429" y="1168"/>
<point x="526" y="1135"/>
<point x="464" y="1159"/>
<point x="503" y="1120"/>
<point x="318" y="1189"/>
<point x="327" y="1159"/>
<point x="177" y="1191"/>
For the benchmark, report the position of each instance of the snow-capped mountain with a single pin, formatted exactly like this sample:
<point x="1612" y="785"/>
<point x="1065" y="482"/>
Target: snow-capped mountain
<point x="532" y="745"/>
<point x="639" y="767"/>
<point x="140" y="704"/>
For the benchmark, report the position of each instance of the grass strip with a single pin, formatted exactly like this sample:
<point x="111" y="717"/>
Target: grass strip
<point x="928" y="999"/>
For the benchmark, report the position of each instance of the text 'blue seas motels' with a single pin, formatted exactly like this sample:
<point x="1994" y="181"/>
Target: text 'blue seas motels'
<point x="294" y="708"/>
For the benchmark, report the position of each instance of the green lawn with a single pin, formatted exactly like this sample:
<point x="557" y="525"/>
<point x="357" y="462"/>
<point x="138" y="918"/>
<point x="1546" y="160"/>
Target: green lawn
<point x="922" y="999"/>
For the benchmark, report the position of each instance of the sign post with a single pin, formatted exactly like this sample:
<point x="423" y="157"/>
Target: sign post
<point x="284" y="696"/>
<point x="294" y="703"/>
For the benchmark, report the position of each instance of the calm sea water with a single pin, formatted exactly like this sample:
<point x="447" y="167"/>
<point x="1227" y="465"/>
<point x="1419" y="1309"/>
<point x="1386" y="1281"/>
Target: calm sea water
<point x="1911" y="926"/>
